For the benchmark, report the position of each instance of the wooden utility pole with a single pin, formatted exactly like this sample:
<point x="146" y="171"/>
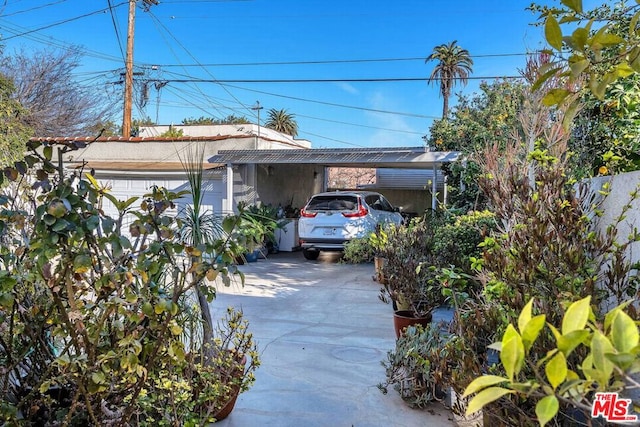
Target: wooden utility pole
<point x="128" y="73"/>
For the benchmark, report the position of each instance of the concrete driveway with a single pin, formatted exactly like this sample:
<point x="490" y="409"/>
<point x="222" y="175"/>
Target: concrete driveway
<point x="322" y="333"/>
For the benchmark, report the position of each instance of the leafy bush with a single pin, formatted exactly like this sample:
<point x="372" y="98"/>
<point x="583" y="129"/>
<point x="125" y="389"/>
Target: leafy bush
<point x="358" y="250"/>
<point x="607" y="354"/>
<point x="457" y="241"/>
<point x="410" y="267"/>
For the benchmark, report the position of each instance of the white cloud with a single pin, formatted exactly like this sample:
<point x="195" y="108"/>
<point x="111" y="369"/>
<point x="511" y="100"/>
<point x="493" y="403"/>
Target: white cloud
<point x="347" y="88"/>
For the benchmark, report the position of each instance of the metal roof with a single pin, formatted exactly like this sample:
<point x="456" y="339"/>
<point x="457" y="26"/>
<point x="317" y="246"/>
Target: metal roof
<point x="403" y="157"/>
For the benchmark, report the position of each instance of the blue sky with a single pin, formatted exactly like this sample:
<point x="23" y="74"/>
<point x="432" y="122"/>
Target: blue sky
<point x="223" y="40"/>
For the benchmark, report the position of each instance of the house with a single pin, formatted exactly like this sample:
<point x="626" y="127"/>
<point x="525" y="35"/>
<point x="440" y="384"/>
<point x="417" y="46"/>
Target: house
<point x="251" y="164"/>
<point x="131" y="166"/>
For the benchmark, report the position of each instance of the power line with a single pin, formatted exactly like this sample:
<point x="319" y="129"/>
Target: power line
<point x="329" y="61"/>
<point x="18" y="12"/>
<point x="361" y="125"/>
<point x="52" y="42"/>
<point x="332" y="104"/>
<point x="115" y="28"/>
<point x="65" y="21"/>
<point x="338" y="80"/>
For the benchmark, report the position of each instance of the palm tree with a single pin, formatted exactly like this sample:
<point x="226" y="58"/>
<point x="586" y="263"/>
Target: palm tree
<point x="282" y="121"/>
<point x="454" y="63"/>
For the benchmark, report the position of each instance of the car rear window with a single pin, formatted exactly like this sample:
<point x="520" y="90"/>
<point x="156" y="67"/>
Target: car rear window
<point x="333" y="203"/>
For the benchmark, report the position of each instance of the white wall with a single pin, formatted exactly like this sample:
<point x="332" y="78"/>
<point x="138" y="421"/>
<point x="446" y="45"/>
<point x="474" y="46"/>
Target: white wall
<point x="620" y="188"/>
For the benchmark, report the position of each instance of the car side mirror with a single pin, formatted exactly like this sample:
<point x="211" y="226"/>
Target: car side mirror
<point x="397" y="209"/>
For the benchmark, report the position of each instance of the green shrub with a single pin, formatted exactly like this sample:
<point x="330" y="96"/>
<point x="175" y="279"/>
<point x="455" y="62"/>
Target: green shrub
<point x="457" y="241"/>
<point x="358" y="250"/>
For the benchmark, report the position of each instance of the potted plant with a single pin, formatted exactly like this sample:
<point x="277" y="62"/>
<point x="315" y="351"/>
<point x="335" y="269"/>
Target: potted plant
<point x="378" y="242"/>
<point x="418" y="367"/>
<point x="412" y="284"/>
<point x="259" y="235"/>
<point x="217" y="383"/>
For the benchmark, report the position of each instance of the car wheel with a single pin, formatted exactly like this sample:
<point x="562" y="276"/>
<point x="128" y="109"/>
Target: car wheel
<point x="310" y="255"/>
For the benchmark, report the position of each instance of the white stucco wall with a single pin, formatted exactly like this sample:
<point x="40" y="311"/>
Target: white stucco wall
<point x="270" y="139"/>
<point x="619" y="194"/>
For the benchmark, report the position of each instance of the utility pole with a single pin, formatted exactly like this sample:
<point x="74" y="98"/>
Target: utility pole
<point x="128" y="72"/>
<point x="257" y="107"/>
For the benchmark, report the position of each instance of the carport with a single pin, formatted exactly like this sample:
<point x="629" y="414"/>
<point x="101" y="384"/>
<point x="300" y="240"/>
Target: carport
<point x="271" y="176"/>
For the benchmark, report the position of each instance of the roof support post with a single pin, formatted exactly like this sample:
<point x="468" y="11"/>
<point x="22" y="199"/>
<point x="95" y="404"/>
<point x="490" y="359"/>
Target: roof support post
<point x="434" y="188"/>
<point x="446" y="191"/>
<point x="228" y="207"/>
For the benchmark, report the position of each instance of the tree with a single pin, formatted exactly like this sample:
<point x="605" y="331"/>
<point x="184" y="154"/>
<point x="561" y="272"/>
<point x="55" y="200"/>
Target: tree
<point x="105" y="128"/>
<point x="454" y="63"/>
<point x="481" y="118"/>
<point x="484" y="118"/>
<point x="231" y="119"/>
<point x="56" y="104"/>
<point x="281" y="121"/>
<point x="597" y="57"/>
<point x="13" y="132"/>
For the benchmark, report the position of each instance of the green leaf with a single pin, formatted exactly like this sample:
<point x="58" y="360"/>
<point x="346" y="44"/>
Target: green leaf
<point x="624" y="332"/>
<point x="544" y="77"/>
<point x="575" y="5"/>
<point x="555" y="97"/>
<point x="577" y="64"/>
<point x="576" y="316"/>
<point x="525" y="315"/>
<point x="604" y="39"/>
<point x="98" y="377"/>
<point x="60" y="225"/>
<point x="579" y="38"/>
<point x="633" y="24"/>
<point x="127" y="203"/>
<point x="47" y="151"/>
<point x="622" y="360"/>
<point x="113" y="199"/>
<point x="552" y="32"/>
<point x="512" y="354"/>
<point x="546" y="409"/>
<point x="567" y="343"/>
<point x="623" y="70"/>
<point x="600" y="345"/>
<point x="570" y="114"/>
<point x="82" y="263"/>
<point x="49" y="219"/>
<point x="228" y="224"/>
<point x="556" y="370"/>
<point x="532" y="330"/>
<point x="486" y="396"/>
<point x="483" y="382"/>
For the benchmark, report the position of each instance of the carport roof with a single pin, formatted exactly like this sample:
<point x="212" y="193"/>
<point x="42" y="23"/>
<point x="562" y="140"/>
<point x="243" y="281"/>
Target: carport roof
<point x="404" y="157"/>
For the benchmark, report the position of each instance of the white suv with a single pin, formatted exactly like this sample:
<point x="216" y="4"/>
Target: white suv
<point x="330" y="219"/>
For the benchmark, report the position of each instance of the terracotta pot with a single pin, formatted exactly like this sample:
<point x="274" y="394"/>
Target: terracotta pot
<point x="379" y="263"/>
<point x="405" y="318"/>
<point x="228" y="407"/>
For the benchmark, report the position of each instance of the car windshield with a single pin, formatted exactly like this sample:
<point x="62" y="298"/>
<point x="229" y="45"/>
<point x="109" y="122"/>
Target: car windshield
<point x="333" y="203"/>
